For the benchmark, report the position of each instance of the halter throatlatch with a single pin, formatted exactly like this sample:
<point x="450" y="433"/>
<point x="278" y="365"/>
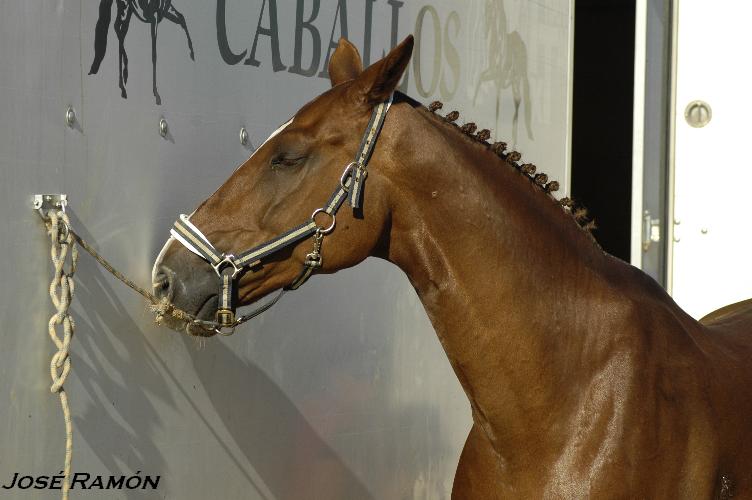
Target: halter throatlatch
<point x="228" y="266"/>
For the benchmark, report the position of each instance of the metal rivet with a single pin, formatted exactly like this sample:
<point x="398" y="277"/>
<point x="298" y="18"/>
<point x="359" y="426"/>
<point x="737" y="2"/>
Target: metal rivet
<point x="70" y="116"/>
<point x="677" y="221"/>
<point x="243" y="136"/>
<point x="163" y="127"/>
<point x="704" y="230"/>
<point x="698" y="114"/>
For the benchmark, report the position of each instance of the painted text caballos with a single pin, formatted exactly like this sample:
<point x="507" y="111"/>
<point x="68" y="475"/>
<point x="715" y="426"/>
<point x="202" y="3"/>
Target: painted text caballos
<point x="443" y="73"/>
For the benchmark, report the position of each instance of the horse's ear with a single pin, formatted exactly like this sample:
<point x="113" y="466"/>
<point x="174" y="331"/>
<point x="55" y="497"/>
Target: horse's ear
<point x="380" y="79"/>
<point x="345" y="63"/>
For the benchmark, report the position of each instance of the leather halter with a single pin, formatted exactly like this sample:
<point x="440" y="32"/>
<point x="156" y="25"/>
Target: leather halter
<point x="228" y="266"/>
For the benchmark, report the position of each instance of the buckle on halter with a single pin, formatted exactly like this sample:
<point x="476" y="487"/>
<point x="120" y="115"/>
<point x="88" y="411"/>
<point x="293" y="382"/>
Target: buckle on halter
<point x="225" y="318"/>
<point x="348" y="171"/>
<point x="229" y="259"/>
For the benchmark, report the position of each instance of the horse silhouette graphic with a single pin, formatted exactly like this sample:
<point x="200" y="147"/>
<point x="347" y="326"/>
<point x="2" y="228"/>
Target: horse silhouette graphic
<point x="148" y="11"/>
<point x="507" y="65"/>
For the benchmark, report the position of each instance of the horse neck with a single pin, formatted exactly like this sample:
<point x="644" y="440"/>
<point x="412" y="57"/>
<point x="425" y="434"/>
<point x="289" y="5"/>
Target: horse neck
<point x="506" y="277"/>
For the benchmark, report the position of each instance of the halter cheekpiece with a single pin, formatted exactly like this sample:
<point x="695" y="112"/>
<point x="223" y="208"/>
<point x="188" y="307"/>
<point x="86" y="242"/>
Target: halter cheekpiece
<point x="228" y="266"/>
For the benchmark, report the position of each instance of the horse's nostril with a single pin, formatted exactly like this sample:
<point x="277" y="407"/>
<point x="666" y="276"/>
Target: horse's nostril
<point x="163" y="283"/>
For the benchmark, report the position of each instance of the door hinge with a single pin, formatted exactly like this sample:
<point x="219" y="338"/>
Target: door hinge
<point x="651" y="230"/>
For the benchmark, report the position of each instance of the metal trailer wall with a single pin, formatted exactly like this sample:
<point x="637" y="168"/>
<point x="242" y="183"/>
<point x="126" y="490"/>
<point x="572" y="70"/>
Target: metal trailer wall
<point x="342" y="390"/>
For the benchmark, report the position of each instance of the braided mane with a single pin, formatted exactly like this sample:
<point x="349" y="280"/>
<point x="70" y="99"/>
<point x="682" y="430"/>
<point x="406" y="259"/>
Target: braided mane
<point x="578" y="212"/>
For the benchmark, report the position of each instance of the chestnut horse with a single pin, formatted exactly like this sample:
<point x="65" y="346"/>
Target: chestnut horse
<point x="584" y="378"/>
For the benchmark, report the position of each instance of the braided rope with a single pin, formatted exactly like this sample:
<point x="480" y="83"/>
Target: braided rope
<point x="61" y="292"/>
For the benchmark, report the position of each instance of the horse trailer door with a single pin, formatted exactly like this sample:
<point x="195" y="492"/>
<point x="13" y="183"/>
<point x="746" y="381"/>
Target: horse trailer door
<point x="711" y="243"/>
<point x="651" y="136"/>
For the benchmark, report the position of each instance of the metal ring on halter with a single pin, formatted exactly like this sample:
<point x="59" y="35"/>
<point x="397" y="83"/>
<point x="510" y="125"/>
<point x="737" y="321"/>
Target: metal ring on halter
<point x="328" y="229"/>
<point x="225" y="330"/>
<point x="228" y="259"/>
<point x="350" y="166"/>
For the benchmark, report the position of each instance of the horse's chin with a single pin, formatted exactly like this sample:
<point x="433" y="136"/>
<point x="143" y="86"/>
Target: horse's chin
<point x="197" y="331"/>
<point x="184" y="326"/>
<point x="166" y="318"/>
<point x="171" y="322"/>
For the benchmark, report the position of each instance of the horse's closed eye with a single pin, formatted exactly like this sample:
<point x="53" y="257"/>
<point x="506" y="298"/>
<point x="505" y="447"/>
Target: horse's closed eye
<point x="286" y="161"/>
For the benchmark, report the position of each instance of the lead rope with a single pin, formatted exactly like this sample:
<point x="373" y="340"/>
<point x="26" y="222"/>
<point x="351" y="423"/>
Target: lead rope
<point x="61" y="293"/>
<point x="63" y="249"/>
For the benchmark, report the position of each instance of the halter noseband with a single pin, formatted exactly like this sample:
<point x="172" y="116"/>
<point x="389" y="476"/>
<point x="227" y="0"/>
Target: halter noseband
<point x="228" y="266"/>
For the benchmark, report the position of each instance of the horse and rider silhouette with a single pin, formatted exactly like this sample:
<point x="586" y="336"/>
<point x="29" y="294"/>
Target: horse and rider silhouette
<point x="148" y="11"/>
<point x="507" y="66"/>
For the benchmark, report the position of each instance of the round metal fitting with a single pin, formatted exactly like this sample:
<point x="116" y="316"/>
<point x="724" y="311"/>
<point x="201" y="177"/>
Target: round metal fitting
<point x="164" y="128"/>
<point x="243" y="136"/>
<point x="698" y="114"/>
<point x="70" y="116"/>
<point x="228" y="259"/>
<point x="331" y="226"/>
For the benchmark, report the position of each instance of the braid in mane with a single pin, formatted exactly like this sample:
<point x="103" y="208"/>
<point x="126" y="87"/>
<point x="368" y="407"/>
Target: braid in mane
<point x="578" y="212"/>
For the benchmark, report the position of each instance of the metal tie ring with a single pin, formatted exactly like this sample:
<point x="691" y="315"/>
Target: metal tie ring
<point x="331" y="226"/>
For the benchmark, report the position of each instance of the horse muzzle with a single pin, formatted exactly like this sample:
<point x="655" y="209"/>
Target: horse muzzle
<point x="193" y="290"/>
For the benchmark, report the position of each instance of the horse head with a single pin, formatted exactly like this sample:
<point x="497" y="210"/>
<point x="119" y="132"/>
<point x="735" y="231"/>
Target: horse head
<point x="282" y="184"/>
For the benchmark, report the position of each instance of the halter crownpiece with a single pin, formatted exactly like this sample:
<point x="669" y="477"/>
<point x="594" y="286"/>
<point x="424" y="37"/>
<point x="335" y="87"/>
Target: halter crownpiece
<point x="229" y="266"/>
